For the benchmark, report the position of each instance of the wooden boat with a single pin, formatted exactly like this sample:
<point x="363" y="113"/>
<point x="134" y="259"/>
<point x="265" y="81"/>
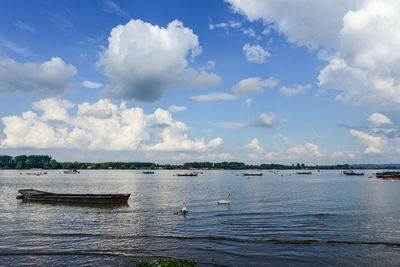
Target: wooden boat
<point x="148" y="172"/>
<point x="253" y="174"/>
<point x="187" y="174"/>
<point x="388" y="175"/>
<point x="351" y="172"/>
<point x="36" y="195"/>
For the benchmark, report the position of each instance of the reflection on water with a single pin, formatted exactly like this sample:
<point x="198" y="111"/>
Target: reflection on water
<point x="76" y="204"/>
<point x="275" y="219"/>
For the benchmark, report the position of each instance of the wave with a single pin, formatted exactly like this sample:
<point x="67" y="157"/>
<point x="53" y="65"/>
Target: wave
<point x="233" y="239"/>
<point x="278" y="241"/>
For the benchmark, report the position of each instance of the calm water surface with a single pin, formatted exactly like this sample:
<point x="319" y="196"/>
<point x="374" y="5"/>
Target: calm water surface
<point x="276" y="219"/>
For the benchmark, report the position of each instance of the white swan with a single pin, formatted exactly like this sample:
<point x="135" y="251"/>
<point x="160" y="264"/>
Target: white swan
<point x="184" y="208"/>
<point x="228" y="201"/>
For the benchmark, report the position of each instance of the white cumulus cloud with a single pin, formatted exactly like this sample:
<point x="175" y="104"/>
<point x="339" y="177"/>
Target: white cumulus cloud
<point x="297" y="89"/>
<point x="49" y="78"/>
<point x="204" y="80"/>
<point x="255" y="145"/>
<point x="311" y="23"/>
<point x="142" y="60"/>
<point x="374" y="144"/>
<point x="366" y="67"/>
<point x="89" y="84"/>
<point x="99" y="126"/>
<point x="379" y="119"/>
<point x="263" y="120"/>
<point x="360" y="35"/>
<point x="253" y="85"/>
<point x="255" y="53"/>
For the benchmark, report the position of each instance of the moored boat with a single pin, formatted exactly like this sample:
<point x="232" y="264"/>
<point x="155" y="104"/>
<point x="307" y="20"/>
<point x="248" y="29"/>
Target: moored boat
<point x="253" y="174"/>
<point x="187" y="174"/>
<point x="37" y="195"/>
<point x="148" y="172"/>
<point x="351" y="172"/>
<point x="304" y="172"/>
<point x="37" y="173"/>
<point x="388" y="175"/>
<point x="71" y="171"/>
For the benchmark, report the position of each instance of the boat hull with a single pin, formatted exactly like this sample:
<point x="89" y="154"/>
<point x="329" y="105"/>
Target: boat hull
<point x="252" y="174"/>
<point x="388" y="176"/>
<point x="35" y="195"/>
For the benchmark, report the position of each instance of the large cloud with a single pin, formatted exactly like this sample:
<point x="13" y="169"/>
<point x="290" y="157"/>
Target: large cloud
<point x="49" y="78"/>
<point x="310" y="23"/>
<point x="362" y="36"/>
<point x="143" y="60"/>
<point x="374" y="144"/>
<point x="287" y="150"/>
<point x="366" y="67"/>
<point x="99" y="126"/>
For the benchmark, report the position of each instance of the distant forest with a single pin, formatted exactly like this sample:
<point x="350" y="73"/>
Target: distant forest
<point x="46" y="162"/>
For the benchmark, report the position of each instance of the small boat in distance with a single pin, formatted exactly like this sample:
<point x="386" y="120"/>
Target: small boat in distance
<point x="148" y="172"/>
<point x="36" y="195"/>
<point x="304" y="172"/>
<point x="36" y="172"/>
<point x="71" y="171"/>
<point x="253" y="174"/>
<point x="388" y="175"/>
<point x="187" y="174"/>
<point x="351" y="172"/>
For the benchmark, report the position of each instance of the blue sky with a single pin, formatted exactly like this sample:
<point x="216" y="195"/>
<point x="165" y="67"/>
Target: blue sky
<point x="176" y="81"/>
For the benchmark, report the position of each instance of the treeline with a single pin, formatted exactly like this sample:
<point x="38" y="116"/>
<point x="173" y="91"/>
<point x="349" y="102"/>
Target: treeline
<point x="46" y="162"/>
<point x="243" y="166"/>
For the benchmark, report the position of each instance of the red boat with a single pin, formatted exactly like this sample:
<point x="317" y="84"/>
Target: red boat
<point x="388" y="175"/>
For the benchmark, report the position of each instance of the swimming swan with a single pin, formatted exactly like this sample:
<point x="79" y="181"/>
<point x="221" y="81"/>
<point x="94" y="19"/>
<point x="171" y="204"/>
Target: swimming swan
<point x="184" y="208"/>
<point x="228" y="201"/>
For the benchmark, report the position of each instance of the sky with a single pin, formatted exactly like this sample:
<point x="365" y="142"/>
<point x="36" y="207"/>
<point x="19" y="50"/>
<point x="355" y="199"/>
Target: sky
<point x="255" y="81"/>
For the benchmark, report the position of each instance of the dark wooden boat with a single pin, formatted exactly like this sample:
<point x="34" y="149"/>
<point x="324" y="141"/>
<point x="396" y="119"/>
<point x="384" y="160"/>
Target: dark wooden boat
<point x="148" y="172"/>
<point x="36" y="195"/>
<point x="253" y="174"/>
<point x="355" y="173"/>
<point x="187" y="174"/>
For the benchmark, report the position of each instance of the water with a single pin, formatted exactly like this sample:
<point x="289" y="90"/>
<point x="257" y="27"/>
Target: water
<point x="276" y="219"/>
